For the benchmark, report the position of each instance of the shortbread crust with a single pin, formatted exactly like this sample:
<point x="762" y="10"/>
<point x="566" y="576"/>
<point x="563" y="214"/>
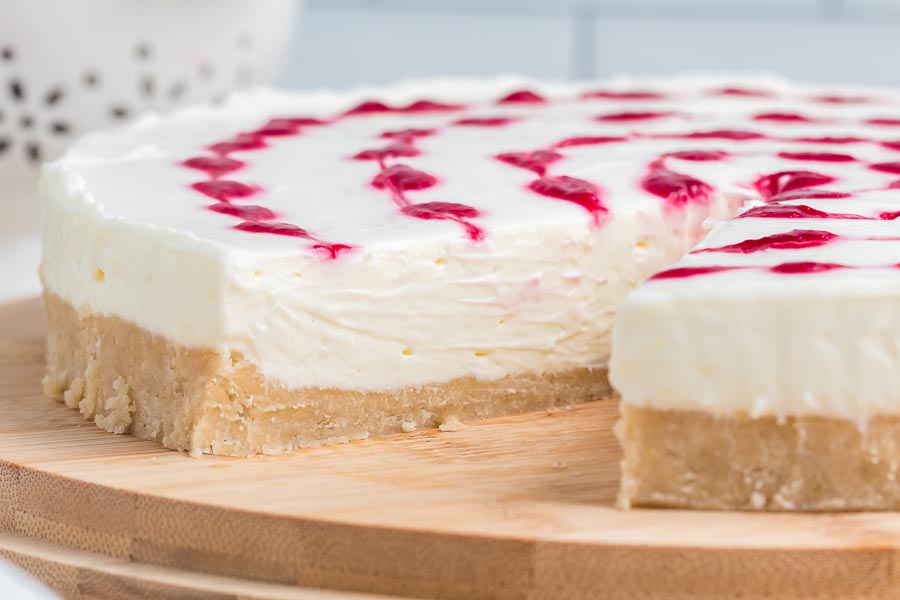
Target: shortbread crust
<point x="129" y="381"/>
<point x="693" y="459"/>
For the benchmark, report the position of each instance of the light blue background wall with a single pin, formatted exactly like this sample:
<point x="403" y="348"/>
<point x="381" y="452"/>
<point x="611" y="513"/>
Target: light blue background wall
<point x="345" y="42"/>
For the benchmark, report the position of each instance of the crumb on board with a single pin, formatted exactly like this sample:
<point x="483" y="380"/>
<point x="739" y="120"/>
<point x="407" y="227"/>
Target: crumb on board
<point x="452" y="424"/>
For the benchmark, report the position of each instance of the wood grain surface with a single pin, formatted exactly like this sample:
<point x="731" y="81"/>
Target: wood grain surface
<point x="511" y="508"/>
<point x="82" y="575"/>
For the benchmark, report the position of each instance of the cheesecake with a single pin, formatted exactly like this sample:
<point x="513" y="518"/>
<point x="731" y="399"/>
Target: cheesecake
<point x="294" y="269"/>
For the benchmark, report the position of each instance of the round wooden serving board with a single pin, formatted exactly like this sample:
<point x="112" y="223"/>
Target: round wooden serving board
<point x="518" y="507"/>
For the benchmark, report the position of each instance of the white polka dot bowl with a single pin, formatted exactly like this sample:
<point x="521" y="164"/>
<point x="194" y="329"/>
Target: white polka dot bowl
<point x="70" y="67"/>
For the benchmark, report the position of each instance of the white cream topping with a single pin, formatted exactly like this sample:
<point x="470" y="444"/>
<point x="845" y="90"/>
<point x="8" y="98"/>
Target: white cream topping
<point x="416" y="301"/>
<point x="747" y="343"/>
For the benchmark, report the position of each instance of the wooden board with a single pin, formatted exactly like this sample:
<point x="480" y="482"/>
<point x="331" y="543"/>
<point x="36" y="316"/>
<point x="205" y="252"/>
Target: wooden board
<point x="81" y="575"/>
<point x="517" y="507"/>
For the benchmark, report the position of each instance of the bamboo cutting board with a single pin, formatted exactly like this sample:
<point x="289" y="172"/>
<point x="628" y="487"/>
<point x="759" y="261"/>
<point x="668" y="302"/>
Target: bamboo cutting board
<point x="511" y="508"/>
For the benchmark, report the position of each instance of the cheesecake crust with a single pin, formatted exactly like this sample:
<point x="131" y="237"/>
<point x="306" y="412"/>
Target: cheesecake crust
<point x="128" y="380"/>
<point x="691" y="459"/>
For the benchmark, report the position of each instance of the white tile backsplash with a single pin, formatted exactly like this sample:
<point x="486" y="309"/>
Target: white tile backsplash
<point x="822" y="51"/>
<point x="348" y="47"/>
<point x="345" y="42"/>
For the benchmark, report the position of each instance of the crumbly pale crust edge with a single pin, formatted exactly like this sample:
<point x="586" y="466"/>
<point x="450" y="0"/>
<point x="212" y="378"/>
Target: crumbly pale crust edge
<point x="128" y="380"/>
<point x="692" y="459"/>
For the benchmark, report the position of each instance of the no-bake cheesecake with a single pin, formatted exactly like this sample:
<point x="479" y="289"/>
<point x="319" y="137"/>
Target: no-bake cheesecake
<point x="297" y="269"/>
<point x="290" y="270"/>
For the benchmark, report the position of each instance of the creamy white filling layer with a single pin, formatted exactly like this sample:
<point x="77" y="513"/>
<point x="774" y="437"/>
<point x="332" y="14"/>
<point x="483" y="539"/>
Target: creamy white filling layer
<point x="529" y="299"/>
<point x="741" y="343"/>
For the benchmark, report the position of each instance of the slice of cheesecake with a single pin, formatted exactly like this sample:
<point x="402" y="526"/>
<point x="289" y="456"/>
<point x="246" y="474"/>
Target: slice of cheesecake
<point x="762" y="372"/>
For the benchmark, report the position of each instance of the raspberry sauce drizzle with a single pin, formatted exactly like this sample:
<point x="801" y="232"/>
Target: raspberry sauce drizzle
<point x="398" y="179"/>
<point x="676" y="188"/>
<point x="829" y="139"/>
<point x="275" y="228"/>
<point x="804" y="267"/>
<point x="571" y="189"/>
<point x="397" y="150"/>
<point x="741" y="92"/>
<point x="788" y="181"/>
<point x="632" y="116"/>
<point x="787" y="268"/>
<point x="838" y="99"/>
<point x="733" y="135"/>
<point x="429" y="106"/>
<point x="684" y="272"/>
<point x="239" y="143"/>
<point x="285" y="126"/>
<point x="790" y="240"/>
<point x="584" y="193"/>
<point x="369" y="107"/>
<point x="522" y="97"/>
<point x="632" y="95"/>
<point x="484" y="121"/>
<point x="783" y="117"/>
<point x="245" y="212"/>
<point x="809" y="194"/>
<point x="793" y="211"/>
<point x="213" y="166"/>
<point x="887" y="167"/>
<point x="537" y="161"/>
<point x="817" y="156"/>
<point x="407" y="135"/>
<point x="588" y="140"/>
<point x="331" y="251"/>
<point x="254" y="218"/>
<point x="225" y="190"/>
<point x="698" y="155"/>
<point x="278" y="128"/>
<point x="402" y="178"/>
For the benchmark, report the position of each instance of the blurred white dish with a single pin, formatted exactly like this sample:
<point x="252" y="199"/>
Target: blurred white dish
<point x="69" y="67"/>
<point x="19" y="258"/>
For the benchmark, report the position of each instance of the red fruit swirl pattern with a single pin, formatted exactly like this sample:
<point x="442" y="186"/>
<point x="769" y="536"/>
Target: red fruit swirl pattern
<point x="790" y="193"/>
<point x="400" y="181"/>
<point x="229" y="194"/>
